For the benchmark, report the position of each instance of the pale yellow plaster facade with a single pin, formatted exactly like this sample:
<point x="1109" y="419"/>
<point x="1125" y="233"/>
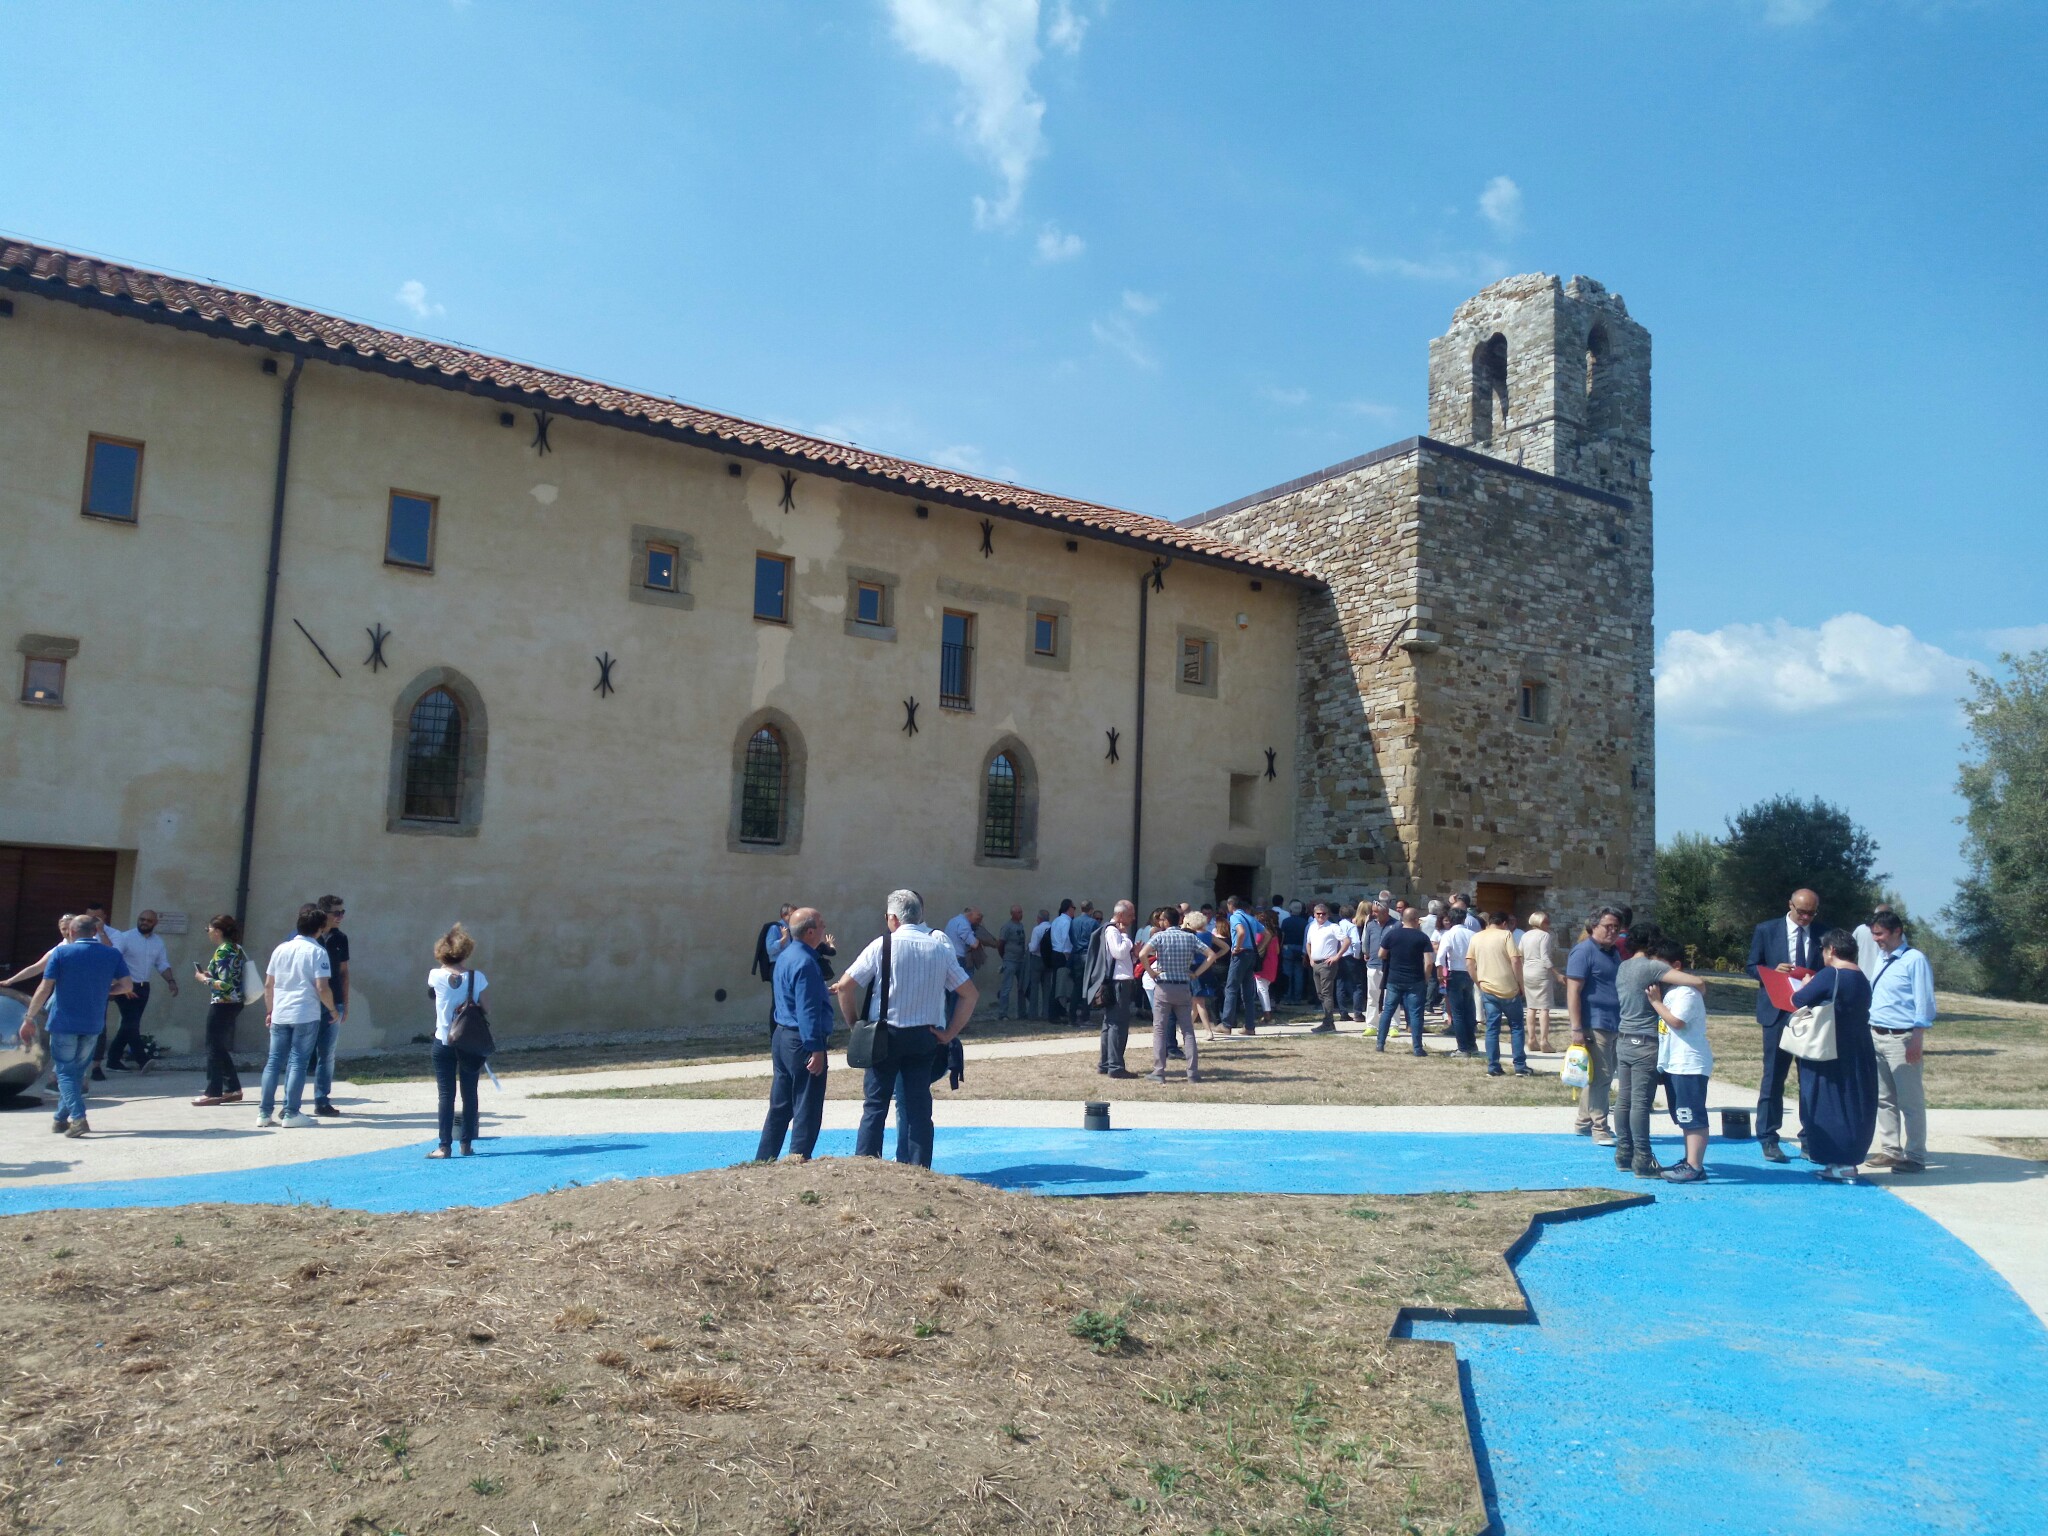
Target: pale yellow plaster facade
<point x="600" y="880"/>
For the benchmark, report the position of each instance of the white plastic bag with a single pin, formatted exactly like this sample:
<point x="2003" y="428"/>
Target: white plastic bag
<point x="1577" y="1069"/>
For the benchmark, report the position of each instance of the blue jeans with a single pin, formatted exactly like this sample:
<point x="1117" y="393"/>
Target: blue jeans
<point x="127" y="1039"/>
<point x="1407" y="996"/>
<point x="1294" y="972"/>
<point x="796" y="1099"/>
<point x="452" y="1069"/>
<point x="291" y="1048"/>
<point x="1511" y="1010"/>
<point x="906" y="1077"/>
<point x="1012" y="997"/>
<point x="1460" y="1004"/>
<point x="323" y="1055"/>
<point x="1240" y="996"/>
<point x="70" y="1055"/>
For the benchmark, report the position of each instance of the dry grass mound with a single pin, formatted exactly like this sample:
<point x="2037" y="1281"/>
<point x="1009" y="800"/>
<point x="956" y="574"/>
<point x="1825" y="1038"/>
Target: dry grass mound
<point x="839" y="1347"/>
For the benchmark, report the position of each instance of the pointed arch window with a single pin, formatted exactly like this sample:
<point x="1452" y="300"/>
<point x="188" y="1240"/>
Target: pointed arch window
<point x="763" y="788"/>
<point x="1489" y="387"/>
<point x="999" y="815"/>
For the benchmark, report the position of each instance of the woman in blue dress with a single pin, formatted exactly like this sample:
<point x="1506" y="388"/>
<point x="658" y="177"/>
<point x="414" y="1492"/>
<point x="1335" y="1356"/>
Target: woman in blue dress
<point x="1838" y="1099"/>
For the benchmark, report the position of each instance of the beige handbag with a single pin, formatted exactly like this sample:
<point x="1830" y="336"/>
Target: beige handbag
<point x="1809" y="1032"/>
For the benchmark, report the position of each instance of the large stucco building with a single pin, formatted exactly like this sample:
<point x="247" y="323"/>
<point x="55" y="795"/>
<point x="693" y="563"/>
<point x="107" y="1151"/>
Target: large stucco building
<point x="303" y="606"/>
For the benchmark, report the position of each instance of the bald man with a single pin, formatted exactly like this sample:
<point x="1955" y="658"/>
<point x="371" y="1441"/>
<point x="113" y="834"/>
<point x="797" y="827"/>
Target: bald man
<point x="1788" y="943"/>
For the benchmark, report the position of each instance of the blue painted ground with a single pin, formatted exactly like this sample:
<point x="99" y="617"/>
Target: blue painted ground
<point x="1761" y="1355"/>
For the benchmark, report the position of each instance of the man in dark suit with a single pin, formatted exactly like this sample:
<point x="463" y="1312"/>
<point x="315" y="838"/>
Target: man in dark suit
<point x="1787" y="943"/>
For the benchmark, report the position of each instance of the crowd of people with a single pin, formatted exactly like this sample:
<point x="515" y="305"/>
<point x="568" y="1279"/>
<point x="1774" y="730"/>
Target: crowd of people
<point x="1636" y="1017"/>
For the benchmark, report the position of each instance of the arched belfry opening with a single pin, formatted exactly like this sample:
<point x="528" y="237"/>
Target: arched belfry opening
<point x="1489" y="387"/>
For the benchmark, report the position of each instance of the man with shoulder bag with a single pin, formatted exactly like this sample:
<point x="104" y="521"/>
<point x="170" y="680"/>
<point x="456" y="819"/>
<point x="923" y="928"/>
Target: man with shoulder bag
<point x="914" y="969"/>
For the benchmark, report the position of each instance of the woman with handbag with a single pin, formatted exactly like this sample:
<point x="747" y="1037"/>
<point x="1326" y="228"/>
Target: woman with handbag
<point x="455" y="987"/>
<point x="1838" y="1097"/>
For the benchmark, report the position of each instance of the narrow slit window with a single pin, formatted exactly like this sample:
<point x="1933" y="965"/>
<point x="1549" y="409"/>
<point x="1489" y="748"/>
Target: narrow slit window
<point x="1045" y="634"/>
<point x="771" y="588"/>
<point x="113" y="478"/>
<point x="409" y="531"/>
<point x="42" y="680"/>
<point x="869" y="606"/>
<point x="1532" y="702"/>
<point x="662" y="563"/>
<point x="956" y="661"/>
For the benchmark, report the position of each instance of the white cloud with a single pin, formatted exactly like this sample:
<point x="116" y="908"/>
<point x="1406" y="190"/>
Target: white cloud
<point x="1850" y="665"/>
<point x="1140" y="303"/>
<point x="2029" y="637"/>
<point x="1120" y="335"/>
<point x="1066" y="29"/>
<point x="1291" y="399"/>
<point x="1372" y="410"/>
<point x="991" y="47"/>
<point x="1056" y="244"/>
<point x="1793" y="13"/>
<point x="1500" y="204"/>
<point x="1456" y="267"/>
<point x="412" y="293"/>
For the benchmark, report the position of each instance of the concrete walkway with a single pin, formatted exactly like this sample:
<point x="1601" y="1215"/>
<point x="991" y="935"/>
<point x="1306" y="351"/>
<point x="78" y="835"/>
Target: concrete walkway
<point x="1995" y="1203"/>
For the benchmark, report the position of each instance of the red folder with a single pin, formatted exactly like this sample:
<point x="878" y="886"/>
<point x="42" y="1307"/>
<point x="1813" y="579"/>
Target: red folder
<point x="1780" y="985"/>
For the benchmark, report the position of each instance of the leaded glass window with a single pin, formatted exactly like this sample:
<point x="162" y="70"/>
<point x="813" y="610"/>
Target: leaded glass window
<point x="763" y="782"/>
<point x="433" y="758"/>
<point x="999" y="823"/>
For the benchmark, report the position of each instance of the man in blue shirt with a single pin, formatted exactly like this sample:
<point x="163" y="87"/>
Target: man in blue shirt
<point x="1240" y="996"/>
<point x="1595" y="1010"/>
<point x="79" y="975"/>
<point x="1901" y="1010"/>
<point x="1081" y="933"/>
<point x="803" y="1025"/>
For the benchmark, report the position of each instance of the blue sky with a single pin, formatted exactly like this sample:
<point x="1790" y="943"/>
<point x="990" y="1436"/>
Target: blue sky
<point x="1162" y="255"/>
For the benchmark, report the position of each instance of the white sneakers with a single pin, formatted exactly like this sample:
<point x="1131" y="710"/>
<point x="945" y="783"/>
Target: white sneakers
<point x="286" y="1121"/>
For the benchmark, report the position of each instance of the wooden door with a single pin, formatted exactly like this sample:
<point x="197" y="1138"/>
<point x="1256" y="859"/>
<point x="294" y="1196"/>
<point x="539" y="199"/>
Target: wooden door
<point x="40" y="885"/>
<point x="1492" y="896"/>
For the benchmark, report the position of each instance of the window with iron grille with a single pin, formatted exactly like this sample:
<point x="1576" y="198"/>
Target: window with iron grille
<point x="1195" y="661"/>
<point x="999" y="822"/>
<point x="761" y="788"/>
<point x="433" y="758"/>
<point x="956" y="661"/>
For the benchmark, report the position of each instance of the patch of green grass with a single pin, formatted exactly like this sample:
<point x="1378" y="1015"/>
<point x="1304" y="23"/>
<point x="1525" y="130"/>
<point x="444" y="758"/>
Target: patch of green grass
<point x="63" y="1253"/>
<point x="926" y="1328"/>
<point x="1363" y="1213"/>
<point x="809" y="1197"/>
<point x="1166" y="1477"/>
<point x="485" y="1486"/>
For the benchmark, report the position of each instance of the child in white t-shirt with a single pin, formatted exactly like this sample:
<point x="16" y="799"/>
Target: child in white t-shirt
<point x="1686" y="1059"/>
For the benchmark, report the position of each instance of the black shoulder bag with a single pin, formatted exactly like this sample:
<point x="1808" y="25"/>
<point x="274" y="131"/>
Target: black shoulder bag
<point x="470" y="1031"/>
<point x="868" y="1045"/>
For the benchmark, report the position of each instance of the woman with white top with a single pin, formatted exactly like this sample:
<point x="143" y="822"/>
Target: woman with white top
<point x="453" y="983"/>
<point x="1539" y="972"/>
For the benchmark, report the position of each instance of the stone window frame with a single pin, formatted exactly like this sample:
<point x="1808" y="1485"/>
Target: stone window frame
<point x="888" y="581"/>
<point x="1249" y="782"/>
<point x="476" y="742"/>
<point x="134" y="517"/>
<point x="58" y="648"/>
<point x="1535" y="675"/>
<point x="795" y="758"/>
<point x="637" y="590"/>
<point x="1182" y="634"/>
<point x="1062" y="614"/>
<point x="1027" y="804"/>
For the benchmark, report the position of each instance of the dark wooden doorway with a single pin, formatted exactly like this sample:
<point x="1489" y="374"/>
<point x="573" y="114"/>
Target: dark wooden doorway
<point x="40" y="885"/>
<point x="1493" y="896"/>
<point x="1236" y="880"/>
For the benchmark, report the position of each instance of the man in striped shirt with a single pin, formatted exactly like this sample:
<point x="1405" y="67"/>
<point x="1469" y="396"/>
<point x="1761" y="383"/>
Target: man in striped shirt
<point x="923" y="970"/>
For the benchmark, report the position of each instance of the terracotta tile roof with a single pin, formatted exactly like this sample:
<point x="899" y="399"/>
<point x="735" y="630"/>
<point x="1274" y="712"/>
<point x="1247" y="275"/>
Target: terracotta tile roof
<point x="251" y="318"/>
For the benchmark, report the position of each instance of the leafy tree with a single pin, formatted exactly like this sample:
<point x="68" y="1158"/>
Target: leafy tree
<point x="1776" y="846"/>
<point x="1955" y="970"/>
<point x="2001" y="906"/>
<point x="1687" y="868"/>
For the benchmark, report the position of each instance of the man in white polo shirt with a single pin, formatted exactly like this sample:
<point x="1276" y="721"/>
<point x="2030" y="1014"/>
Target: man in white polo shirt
<point x="1453" y="944"/>
<point x="1324" y="946"/>
<point x="143" y="948"/>
<point x="923" y="970"/>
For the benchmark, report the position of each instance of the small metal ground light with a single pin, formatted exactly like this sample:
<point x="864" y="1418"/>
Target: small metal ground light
<point x="1096" y="1117"/>
<point x="1735" y="1124"/>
